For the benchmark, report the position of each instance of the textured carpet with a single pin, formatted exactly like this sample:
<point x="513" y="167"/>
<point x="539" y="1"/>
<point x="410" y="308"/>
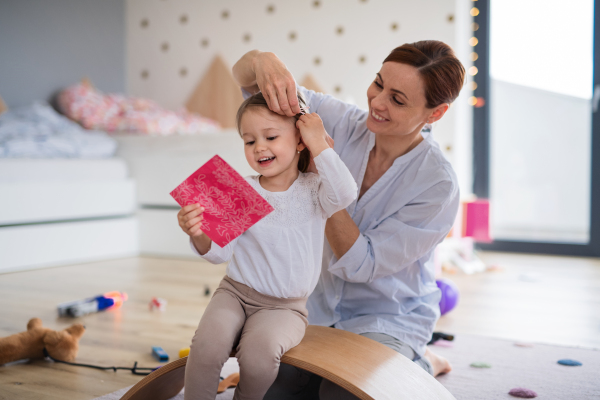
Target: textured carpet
<point x="533" y="368"/>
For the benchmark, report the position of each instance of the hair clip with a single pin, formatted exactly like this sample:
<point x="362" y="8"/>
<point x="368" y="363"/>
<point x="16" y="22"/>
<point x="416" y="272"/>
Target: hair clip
<point x="303" y="110"/>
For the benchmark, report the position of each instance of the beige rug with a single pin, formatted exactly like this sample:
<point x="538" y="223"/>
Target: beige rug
<point x="533" y="368"/>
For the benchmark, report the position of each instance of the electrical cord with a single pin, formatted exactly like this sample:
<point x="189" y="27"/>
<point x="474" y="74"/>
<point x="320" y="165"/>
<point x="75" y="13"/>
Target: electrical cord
<point x="134" y="370"/>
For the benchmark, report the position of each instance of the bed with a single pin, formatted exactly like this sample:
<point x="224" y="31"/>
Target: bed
<point x="64" y="198"/>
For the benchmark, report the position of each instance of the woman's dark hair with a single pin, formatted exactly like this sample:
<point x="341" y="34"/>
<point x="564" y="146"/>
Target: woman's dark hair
<point x="442" y="72"/>
<point x="258" y="100"/>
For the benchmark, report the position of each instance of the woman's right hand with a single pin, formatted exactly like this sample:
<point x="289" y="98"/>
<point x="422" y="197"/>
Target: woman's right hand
<point x="276" y="83"/>
<point x="190" y="220"/>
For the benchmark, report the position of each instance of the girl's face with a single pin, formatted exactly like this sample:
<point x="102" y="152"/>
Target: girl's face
<point x="271" y="142"/>
<point x="397" y="104"/>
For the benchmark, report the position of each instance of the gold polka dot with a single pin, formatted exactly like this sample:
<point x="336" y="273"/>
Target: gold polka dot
<point x="292" y="36"/>
<point x="247" y="37"/>
<point x="144" y="23"/>
<point x="362" y="59"/>
<point x="270" y="8"/>
<point x="164" y="47"/>
<point x="183" y="71"/>
<point x="225" y="14"/>
<point x="339" y="30"/>
<point x="316" y="4"/>
<point x="145" y="74"/>
<point x="183" y="19"/>
<point x="204" y="42"/>
<point x="317" y="61"/>
<point x="475" y="26"/>
<point x="394" y="26"/>
<point x="450" y="18"/>
<point x="337" y="89"/>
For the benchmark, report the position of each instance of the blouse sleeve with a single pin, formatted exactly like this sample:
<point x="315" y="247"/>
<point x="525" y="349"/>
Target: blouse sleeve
<point x="217" y="254"/>
<point x="337" y="188"/>
<point x="401" y="239"/>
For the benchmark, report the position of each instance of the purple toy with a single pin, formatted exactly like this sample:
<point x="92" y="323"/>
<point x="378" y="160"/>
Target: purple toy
<point x="449" y="295"/>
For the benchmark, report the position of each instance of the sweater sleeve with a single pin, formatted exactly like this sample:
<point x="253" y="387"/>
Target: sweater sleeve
<point x="337" y="188"/>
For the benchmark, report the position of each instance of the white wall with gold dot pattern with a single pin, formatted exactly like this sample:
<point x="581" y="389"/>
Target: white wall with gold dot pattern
<point x="341" y="43"/>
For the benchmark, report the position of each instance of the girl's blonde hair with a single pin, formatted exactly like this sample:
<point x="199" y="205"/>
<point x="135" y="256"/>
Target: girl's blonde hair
<point x="258" y="100"/>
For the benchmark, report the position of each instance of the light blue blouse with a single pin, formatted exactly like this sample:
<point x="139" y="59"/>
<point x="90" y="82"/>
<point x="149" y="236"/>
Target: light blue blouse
<point x="385" y="283"/>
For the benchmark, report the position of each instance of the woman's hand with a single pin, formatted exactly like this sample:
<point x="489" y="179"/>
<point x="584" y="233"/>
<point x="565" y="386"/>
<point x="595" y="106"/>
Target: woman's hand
<point x="190" y="220"/>
<point x="266" y="72"/>
<point x="313" y="133"/>
<point x="276" y="84"/>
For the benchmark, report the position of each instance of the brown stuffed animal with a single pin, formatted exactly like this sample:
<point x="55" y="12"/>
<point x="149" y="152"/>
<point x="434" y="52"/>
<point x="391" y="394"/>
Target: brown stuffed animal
<point x="62" y="345"/>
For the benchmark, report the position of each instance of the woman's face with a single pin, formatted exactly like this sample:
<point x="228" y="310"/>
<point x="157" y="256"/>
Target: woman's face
<point x="397" y="104"/>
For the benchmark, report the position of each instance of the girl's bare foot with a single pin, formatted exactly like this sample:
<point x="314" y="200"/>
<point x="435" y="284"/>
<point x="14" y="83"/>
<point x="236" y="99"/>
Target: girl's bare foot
<point x="440" y="364"/>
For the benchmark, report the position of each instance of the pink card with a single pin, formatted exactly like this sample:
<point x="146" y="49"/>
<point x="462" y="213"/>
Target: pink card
<point x="231" y="205"/>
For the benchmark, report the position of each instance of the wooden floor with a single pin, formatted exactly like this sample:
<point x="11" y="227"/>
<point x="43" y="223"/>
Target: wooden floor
<point x="533" y="298"/>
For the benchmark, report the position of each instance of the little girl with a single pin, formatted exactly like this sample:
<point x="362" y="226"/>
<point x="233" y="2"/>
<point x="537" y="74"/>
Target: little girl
<point x="260" y="305"/>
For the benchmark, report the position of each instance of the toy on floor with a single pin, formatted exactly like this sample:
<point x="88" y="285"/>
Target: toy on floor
<point x="78" y="308"/>
<point x="32" y="343"/>
<point x="160" y="354"/>
<point x="522" y="393"/>
<point x="229" y="382"/>
<point x="570" y="363"/>
<point x="157" y="303"/>
<point x="450" y="295"/>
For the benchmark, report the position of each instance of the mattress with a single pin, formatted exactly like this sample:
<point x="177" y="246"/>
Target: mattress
<point x="160" y="163"/>
<point x="50" y="190"/>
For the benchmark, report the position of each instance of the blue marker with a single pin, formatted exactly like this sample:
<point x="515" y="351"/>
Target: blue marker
<point x="160" y="354"/>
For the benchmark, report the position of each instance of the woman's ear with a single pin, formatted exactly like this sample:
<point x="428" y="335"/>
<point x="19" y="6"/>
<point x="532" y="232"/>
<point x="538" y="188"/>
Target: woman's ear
<point x="437" y="113"/>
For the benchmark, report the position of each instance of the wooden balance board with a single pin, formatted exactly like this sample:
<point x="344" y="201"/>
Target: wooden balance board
<point x="360" y="365"/>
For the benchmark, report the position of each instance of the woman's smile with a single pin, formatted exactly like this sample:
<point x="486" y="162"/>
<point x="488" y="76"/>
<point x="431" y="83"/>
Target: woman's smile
<point x="377" y="117"/>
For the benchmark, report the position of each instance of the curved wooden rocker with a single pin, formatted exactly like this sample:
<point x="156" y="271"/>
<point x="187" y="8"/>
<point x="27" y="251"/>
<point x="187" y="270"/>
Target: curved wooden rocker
<point x="360" y="365"/>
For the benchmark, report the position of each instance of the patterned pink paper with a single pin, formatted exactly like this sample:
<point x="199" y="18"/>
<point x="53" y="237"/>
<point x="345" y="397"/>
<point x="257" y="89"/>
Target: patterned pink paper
<point x="231" y="205"/>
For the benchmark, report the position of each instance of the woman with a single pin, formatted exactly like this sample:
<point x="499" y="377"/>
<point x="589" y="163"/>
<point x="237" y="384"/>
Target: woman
<point x="377" y="275"/>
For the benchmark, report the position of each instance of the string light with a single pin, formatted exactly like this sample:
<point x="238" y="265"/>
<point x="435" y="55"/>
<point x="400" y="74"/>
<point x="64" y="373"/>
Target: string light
<point x="473" y="71"/>
<point x="474" y="56"/>
<point x="473" y="86"/>
<point x="473" y="41"/>
<point x="475" y="26"/>
<point x="472" y="100"/>
<point x="474" y="11"/>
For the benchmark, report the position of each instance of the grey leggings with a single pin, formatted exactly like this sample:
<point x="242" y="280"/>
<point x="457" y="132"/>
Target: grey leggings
<point x="261" y="328"/>
<point x="296" y="384"/>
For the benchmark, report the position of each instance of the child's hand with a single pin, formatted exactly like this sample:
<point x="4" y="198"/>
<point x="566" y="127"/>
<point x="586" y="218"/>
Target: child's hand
<point x="190" y="219"/>
<point x="313" y="133"/>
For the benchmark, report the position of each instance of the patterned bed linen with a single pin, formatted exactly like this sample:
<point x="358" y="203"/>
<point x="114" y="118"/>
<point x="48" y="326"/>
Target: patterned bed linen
<point x="38" y="131"/>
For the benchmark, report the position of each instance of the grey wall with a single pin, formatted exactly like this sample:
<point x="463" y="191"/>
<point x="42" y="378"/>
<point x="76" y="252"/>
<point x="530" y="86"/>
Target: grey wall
<point x="46" y="45"/>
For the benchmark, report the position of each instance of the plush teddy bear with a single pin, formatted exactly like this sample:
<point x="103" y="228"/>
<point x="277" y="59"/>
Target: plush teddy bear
<point x="62" y="345"/>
